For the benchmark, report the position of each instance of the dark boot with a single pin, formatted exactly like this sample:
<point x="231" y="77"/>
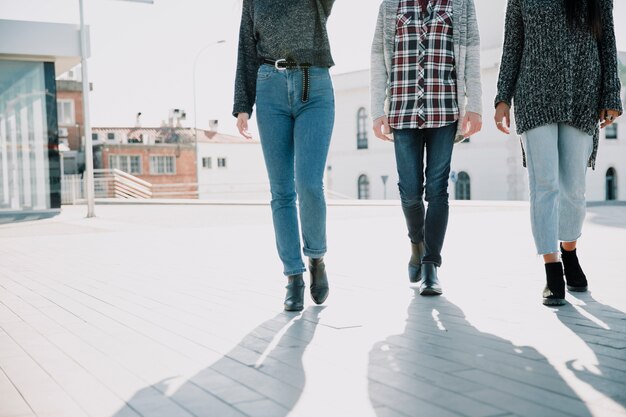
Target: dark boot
<point x="430" y="282"/>
<point x="554" y="293"/>
<point x="294" y="299"/>
<point x="319" y="280"/>
<point x="415" y="263"/>
<point x="576" y="279"/>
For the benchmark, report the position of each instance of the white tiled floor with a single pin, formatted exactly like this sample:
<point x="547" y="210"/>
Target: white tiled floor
<point x="176" y="310"/>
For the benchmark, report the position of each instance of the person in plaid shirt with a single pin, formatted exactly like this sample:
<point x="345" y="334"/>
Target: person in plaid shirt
<point x="426" y="89"/>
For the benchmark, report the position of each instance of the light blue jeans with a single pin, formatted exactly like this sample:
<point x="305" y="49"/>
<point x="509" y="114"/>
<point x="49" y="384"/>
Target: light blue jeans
<point x="295" y="138"/>
<point x="557" y="158"/>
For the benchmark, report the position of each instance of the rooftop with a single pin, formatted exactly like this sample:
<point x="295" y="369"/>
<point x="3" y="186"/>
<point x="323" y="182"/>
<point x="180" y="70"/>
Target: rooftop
<point x="167" y="310"/>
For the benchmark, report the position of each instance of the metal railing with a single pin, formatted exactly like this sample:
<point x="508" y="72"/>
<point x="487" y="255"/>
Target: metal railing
<point x="113" y="183"/>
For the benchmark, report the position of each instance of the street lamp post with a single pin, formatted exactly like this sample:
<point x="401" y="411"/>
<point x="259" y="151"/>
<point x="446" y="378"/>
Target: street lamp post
<point x="89" y="180"/>
<point x="195" y="108"/>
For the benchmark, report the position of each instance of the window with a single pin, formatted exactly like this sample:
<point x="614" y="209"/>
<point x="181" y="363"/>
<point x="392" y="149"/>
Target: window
<point x="162" y="165"/>
<point x="66" y="112"/>
<point x="130" y="164"/>
<point x="610" y="132"/>
<point x="361" y="129"/>
<point x="462" y="190"/>
<point x="110" y="136"/>
<point x="221" y="162"/>
<point x="611" y="184"/>
<point x="364" y="187"/>
<point x="95" y="137"/>
<point x="207" y="162"/>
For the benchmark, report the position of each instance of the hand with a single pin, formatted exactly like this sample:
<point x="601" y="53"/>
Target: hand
<point x="242" y="125"/>
<point x="382" y="130"/>
<point x="503" y="117"/>
<point x="608" y="117"/>
<point x="472" y="123"/>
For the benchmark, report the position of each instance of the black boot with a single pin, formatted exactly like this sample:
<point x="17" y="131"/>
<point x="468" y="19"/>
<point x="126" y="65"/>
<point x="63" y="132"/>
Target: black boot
<point x="576" y="279"/>
<point x="554" y="293"/>
<point x="319" y="280"/>
<point x="430" y="283"/>
<point x="415" y="263"/>
<point x="294" y="299"/>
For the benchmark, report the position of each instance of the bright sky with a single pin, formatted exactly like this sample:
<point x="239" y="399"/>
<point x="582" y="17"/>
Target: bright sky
<point x="143" y="55"/>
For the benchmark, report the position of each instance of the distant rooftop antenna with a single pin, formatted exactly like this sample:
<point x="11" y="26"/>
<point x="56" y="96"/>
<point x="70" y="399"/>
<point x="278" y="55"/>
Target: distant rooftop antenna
<point x="138" y="120"/>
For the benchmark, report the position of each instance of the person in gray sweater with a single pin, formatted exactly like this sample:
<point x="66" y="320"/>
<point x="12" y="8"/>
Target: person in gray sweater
<point x="284" y="58"/>
<point x="426" y="88"/>
<point x="559" y="70"/>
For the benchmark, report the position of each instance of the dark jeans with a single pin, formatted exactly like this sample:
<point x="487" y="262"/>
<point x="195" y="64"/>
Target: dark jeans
<point x="428" y="226"/>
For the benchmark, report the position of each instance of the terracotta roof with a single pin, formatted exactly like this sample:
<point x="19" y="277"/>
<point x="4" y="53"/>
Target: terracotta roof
<point x="175" y="135"/>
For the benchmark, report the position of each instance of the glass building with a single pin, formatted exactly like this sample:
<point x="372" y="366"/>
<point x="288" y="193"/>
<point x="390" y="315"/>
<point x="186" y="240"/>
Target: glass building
<point x="31" y="53"/>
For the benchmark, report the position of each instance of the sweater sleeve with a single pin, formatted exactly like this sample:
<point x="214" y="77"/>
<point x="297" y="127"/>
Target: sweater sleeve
<point x="247" y="64"/>
<point x="327" y="6"/>
<point x="473" y="84"/>
<point x="511" y="53"/>
<point x="378" y="70"/>
<point x="611" y="86"/>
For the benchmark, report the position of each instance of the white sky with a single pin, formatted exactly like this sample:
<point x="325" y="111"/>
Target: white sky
<point x="142" y="55"/>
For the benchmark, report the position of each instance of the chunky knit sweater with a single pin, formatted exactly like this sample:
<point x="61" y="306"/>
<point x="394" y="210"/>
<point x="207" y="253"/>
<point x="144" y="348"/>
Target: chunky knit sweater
<point x="279" y="29"/>
<point x="555" y="73"/>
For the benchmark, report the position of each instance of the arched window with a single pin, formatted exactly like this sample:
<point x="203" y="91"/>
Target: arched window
<point x="361" y="129"/>
<point x="611" y="184"/>
<point x="462" y="190"/>
<point x="364" y="187"/>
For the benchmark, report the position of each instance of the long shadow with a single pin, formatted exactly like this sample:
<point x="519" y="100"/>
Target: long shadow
<point x="603" y="329"/>
<point x="443" y="366"/>
<point x="611" y="215"/>
<point x="263" y="375"/>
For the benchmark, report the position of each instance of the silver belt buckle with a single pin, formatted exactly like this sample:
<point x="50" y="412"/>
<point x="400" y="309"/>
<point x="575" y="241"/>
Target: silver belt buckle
<point x="277" y="62"/>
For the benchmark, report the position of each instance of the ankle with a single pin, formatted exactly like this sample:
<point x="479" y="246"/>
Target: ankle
<point x="568" y="247"/>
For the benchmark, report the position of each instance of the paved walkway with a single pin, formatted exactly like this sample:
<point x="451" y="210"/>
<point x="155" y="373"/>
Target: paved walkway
<point x="172" y="311"/>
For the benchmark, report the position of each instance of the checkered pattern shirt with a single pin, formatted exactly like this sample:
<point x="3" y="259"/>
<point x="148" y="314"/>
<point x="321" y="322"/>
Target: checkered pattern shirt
<point x="423" y="79"/>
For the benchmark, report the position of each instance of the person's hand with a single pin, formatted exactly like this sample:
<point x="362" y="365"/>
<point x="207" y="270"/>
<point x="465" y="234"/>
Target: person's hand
<point x="382" y="130"/>
<point x="472" y="123"/>
<point x="608" y="117"/>
<point x="503" y="117"/>
<point x="242" y="125"/>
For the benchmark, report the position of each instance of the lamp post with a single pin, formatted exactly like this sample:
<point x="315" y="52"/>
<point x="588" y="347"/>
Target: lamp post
<point x="89" y="180"/>
<point x="195" y="108"/>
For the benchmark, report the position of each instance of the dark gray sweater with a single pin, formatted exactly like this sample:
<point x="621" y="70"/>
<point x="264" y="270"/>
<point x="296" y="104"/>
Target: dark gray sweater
<point x="279" y="29"/>
<point x="554" y="73"/>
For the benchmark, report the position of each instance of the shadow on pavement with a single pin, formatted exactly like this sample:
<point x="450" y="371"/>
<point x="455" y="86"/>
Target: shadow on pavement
<point x="608" y="215"/>
<point x="443" y="366"/>
<point x="603" y="329"/>
<point x="261" y="376"/>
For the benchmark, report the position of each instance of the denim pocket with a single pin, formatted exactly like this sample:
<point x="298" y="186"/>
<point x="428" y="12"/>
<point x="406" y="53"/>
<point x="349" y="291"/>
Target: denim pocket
<point x="265" y="72"/>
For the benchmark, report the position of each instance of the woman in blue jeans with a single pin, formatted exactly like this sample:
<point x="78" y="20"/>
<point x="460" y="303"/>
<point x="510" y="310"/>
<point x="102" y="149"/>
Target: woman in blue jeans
<point x="284" y="57"/>
<point x="559" y="67"/>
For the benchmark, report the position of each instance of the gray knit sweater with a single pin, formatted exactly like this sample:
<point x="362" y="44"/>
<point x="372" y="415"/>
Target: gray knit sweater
<point x="554" y="73"/>
<point x="279" y="29"/>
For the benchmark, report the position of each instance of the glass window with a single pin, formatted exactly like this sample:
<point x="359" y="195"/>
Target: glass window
<point x="462" y="187"/>
<point x="364" y="187"/>
<point x="66" y="112"/>
<point x="610" y="131"/>
<point x="361" y="129"/>
<point x="130" y="164"/>
<point x="95" y="137"/>
<point x="611" y="184"/>
<point x="221" y="162"/>
<point x="30" y="168"/>
<point x="207" y="162"/>
<point x="111" y="136"/>
<point x="160" y="165"/>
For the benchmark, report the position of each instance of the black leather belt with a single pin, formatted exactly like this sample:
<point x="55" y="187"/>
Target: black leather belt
<point x="283" y="64"/>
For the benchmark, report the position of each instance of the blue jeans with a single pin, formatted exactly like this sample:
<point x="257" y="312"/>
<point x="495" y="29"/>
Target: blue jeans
<point x="295" y="138"/>
<point x="428" y="226"/>
<point x="557" y="157"/>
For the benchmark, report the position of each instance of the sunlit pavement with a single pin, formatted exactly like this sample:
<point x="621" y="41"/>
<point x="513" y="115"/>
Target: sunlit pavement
<point x="176" y="310"/>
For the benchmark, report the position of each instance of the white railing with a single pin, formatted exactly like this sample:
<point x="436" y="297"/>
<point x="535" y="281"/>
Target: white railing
<point x="113" y="183"/>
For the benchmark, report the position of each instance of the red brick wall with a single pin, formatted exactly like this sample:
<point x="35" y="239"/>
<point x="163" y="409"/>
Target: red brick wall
<point x="73" y="131"/>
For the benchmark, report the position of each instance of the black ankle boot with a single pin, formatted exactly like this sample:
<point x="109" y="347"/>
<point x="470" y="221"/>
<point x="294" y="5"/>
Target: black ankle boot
<point x="415" y="263"/>
<point x="430" y="282"/>
<point x="294" y="299"/>
<point x="554" y="293"/>
<point x="574" y="275"/>
<point x="319" y="280"/>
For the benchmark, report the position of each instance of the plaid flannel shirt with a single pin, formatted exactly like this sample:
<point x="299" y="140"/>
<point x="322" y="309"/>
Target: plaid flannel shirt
<point x="423" y="79"/>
